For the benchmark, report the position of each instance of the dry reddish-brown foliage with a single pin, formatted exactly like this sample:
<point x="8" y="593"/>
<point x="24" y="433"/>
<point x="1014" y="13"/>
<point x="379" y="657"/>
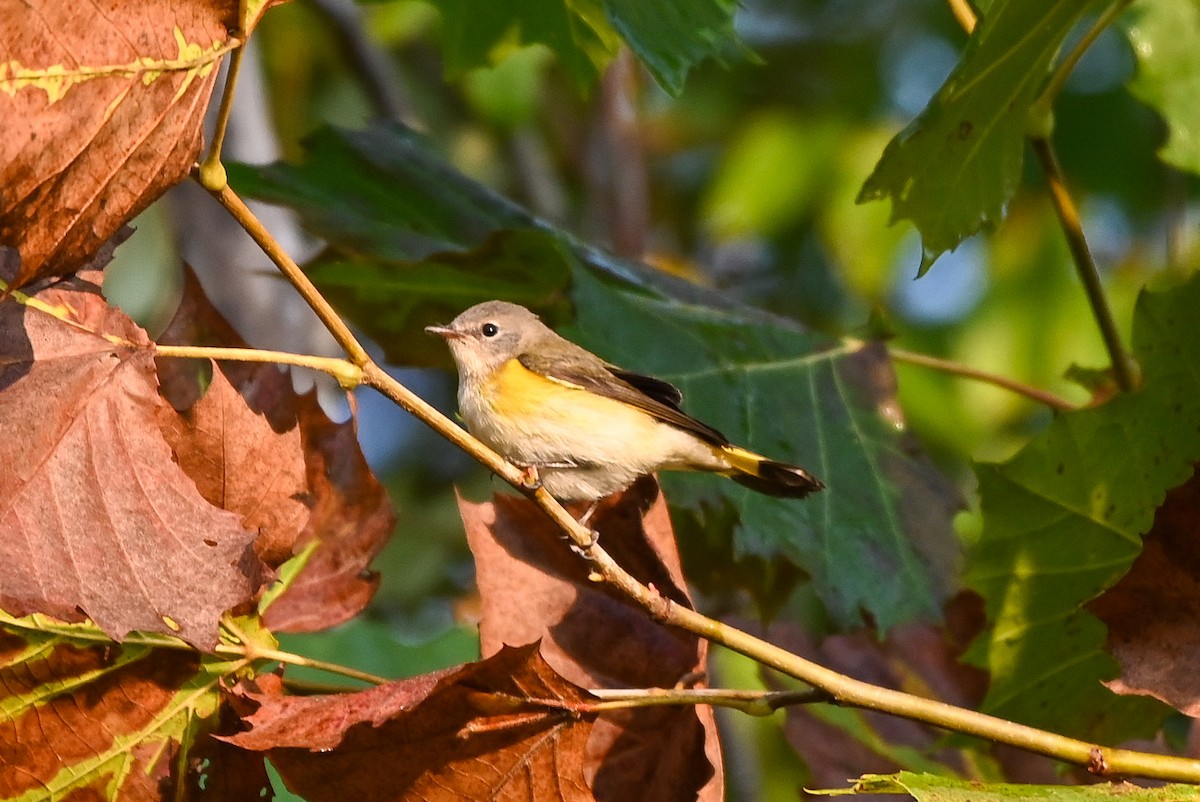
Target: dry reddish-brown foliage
<point x="1152" y="612"/>
<point x="101" y="107"/>
<point x="507" y="728"/>
<point x="534" y="588"/>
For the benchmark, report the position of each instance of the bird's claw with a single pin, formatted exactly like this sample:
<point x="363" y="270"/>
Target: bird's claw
<point x="582" y="549"/>
<point x="530" y="479"/>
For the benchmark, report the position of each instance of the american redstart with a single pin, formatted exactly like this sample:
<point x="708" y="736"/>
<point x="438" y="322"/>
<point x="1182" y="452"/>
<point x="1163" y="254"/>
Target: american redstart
<point x="589" y="428"/>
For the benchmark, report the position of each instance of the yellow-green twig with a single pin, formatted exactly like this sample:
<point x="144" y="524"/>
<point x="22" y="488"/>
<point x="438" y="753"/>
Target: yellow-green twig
<point x="245" y="648"/>
<point x="212" y="171"/>
<point x="1065" y="67"/>
<point x="292" y="272"/>
<point x="1125" y="370"/>
<point x="347" y="374"/>
<point x="255" y="652"/>
<point x="963" y="13"/>
<point x="753" y="703"/>
<point x="967" y="372"/>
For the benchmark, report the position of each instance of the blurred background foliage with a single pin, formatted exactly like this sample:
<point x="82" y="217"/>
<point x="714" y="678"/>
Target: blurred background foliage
<point x="744" y="182"/>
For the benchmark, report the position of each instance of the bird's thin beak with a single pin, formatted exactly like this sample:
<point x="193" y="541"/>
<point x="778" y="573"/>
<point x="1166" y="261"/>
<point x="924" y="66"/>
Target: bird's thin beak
<point x="444" y="331"/>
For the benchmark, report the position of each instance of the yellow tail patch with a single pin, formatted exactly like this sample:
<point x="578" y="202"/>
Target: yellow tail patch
<point x="768" y="476"/>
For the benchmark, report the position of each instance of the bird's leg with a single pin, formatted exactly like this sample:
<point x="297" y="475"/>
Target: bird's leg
<point x="593" y="535"/>
<point x="530" y="480"/>
<point x="587" y="515"/>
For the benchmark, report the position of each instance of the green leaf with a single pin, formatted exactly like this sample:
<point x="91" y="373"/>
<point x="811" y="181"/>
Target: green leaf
<point x="350" y="190"/>
<point x="1165" y="35"/>
<point x="878" y="541"/>
<point x="934" y="788"/>
<point x="669" y="36"/>
<point x="672" y="36"/>
<point x="508" y="95"/>
<point x="386" y="192"/>
<point x="1062" y="521"/>
<point x="953" y="169"/>
<point x="475" y="34"/>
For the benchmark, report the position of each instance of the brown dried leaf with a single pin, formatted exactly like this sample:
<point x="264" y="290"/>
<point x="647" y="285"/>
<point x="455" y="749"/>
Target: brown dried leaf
<point x="240" y="463"/>
<point x="1152" y="612"/>
<point x="102" y="113"/>
<point x="97" y="517"/>
<point x="352" y="518"/>
<point x="197" y="322"/>
<point x="108" y="722"/>
<point x="533" y="587"/>
<point x="506" y="728"/>
<point x="255" y="447"/>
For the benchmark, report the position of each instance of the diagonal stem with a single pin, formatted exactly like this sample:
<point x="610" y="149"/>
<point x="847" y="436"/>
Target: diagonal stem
<point x="968" y="372"/>
<point x="1065" y="67"/>
<point x="963" y="14"/>
<point x="752" y="703"/>
<point x="211" y="170"/>
<point x="292" y="272"/>
<point x="1124" y="368"/>
<point x="842" y="689"/>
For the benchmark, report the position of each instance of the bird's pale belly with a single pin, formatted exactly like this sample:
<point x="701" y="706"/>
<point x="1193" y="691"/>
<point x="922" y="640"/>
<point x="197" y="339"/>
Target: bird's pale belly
<point x="584" y="445"/>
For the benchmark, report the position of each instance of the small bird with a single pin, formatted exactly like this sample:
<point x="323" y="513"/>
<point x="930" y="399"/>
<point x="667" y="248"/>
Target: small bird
<point x="588" y="427"/>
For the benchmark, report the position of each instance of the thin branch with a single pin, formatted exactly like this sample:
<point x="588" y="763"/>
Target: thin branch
<point x="962" y="11"/>
<point x="753" y="703"/>
<point x="1064" y="69"/>
<point x="254" y="652"/>
<point x="347" y="374"/>
<point x="291" y="271"/>
<point x="847" y="691"/>
<point x="211" y="170"/>
<point x="303" y="687"/>
<point x="1124" y="368"/>
<point x="967" y="372"/>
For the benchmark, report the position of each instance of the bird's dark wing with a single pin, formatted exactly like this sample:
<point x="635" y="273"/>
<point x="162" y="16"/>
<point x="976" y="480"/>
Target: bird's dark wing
<point x="655" y="397"/>
<point x="659" y="390"/>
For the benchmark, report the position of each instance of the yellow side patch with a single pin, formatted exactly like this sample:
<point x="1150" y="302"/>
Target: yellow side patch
<point x="517" y="393"/>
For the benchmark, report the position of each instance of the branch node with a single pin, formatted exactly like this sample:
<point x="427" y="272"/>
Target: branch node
<point x="1097" y="763"/>
<point x="658" y="605"/>
<point x="212" y="175"/>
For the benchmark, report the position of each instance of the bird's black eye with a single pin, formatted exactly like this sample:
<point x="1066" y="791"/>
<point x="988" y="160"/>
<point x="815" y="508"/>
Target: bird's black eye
<point x="490" y="329"/>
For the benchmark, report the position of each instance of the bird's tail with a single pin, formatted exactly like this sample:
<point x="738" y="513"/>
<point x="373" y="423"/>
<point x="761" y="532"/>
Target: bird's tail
<point x="768" y="476"/>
